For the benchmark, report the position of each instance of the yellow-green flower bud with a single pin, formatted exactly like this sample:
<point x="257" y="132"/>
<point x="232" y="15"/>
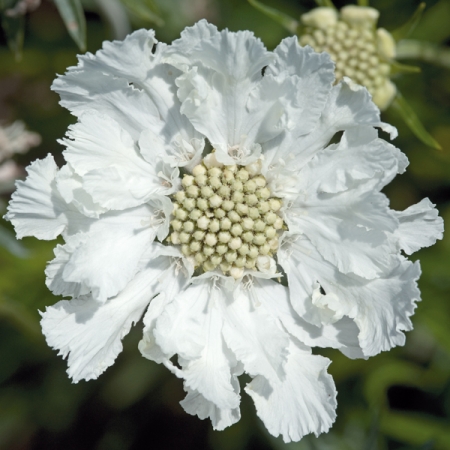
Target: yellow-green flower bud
<point x="188" y="226"/>
<point x="219" y="213"/>
<point x="187" y="181"/>
<point x="195" y="214"/>
<point x="359" y="50"/>
<point x="180" y="196"/>
<point x="184" y="237"/>
<point x="236" y="230"/>
<point x="199" y="170"/>
<point x="176" y="224"/>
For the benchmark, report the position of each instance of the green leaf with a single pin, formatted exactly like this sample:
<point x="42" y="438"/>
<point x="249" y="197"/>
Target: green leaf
<point x="116" y="16"/>
<point x="144" y="10"/>
<point x="10" y="243"/>
<point x="73" y="16"/>
<point x="409" y="116"/>
<point x="405" y="30"/>
<point x="363" y="2"/>
<point x="327" y="3"/>
<point x="416" y="430"/>
<point x="424" y="51"/>
<point x="434" y="24"/>
<point x="397" y="67"/>
<point x="14" y="32"/>
<point x="284" y="20"/>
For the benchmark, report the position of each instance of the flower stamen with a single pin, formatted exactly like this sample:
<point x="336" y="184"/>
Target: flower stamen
<point x="225" y="217"/>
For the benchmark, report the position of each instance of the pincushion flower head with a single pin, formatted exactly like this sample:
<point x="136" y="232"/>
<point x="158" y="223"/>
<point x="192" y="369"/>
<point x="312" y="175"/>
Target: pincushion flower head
<point x="201" y="192"/>
<point x="363" y="51"/>
<point x="360" y="50"/>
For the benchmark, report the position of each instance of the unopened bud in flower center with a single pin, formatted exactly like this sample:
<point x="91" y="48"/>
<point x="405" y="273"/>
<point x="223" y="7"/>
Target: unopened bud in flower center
<point x="360" y="51"/>
<point x="225" y="217"/>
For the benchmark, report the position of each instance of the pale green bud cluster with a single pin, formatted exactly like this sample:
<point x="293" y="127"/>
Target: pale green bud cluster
<point x="359" y="50"/>
<point x="226" y="217"/>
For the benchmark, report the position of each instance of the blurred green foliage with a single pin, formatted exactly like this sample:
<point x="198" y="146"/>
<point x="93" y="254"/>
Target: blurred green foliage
<point x="396" y="400"/>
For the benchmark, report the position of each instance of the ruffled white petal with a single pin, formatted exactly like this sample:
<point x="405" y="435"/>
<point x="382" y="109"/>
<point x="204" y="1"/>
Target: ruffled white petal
<point x="303" y="402"/>
<point x="359" y="158"/>
<point x="342" y="334"/>
<point x="180" y="153"/>
<point x="312" y="75"/>
<point x="54" y="270"/>
<point x="105" y="254"/>
<point x="191" y="326"/>
<point x="37" y="209"/>
<point x="380" y="307"/>
<point x="391" y="300"/>
<point x="131" y="58"/>
<point x="348" y="105"/>
<point x="81" y="90"/>
<point x="420" y="226"/>
<point x="89" y="333"/>
<point x="70" y="186"/>
<point x="338" y="206"/>
<point x="252" y="334"/>
<point x="128" y="82"/>
<point x="341" y="234"/>
<point x="137" y="59"/>
<point x="171" y="283"/>
<point x="220" y="93"/>
<point x="107" y="159"/>
<point x="195" y="404"/>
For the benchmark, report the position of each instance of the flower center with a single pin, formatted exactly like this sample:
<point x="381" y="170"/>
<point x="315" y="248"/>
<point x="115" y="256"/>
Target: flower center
<point x="353" y="50"/>
<point x="226" y="217"/>
<point x="360" y="51"/>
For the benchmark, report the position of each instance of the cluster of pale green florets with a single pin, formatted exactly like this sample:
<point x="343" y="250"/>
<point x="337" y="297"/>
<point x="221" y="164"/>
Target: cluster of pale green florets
<point x="226" y="217"/>
<point x="360" y="50"/>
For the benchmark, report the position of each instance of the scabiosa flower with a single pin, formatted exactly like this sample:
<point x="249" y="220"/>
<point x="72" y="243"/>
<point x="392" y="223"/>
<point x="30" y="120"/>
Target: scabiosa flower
<point x="364" y="53"/>
<point x="201" y="191"/>
<point x="361" y="51"/>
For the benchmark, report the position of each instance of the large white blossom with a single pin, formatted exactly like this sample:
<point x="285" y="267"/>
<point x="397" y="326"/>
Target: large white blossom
<point x="201" y="192"/>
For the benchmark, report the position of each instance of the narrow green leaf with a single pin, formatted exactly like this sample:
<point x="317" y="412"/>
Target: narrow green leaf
<point x="424" y="51"/>
<point x="72" y="14"/>
<point x="115" y="14"/>
<point x="327" y="3"/>
<point x="409" y="116"/>
<point x="10" y="243"/>
<point x="374" y="432"/>
<point x="284" y="20"/>
<point x="415" y="429"/>
<point x="397" y="67"/>
<point x="144" y="10"/>
<point x="14" y="32"/>
<point x="363" y="2"/>
<point x="434" y="24"/>
<point x="405" y="30"/>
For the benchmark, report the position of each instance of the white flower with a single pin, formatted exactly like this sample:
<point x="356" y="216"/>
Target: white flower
<point x="200" y="174"/>
<point x="14" y="139"/>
